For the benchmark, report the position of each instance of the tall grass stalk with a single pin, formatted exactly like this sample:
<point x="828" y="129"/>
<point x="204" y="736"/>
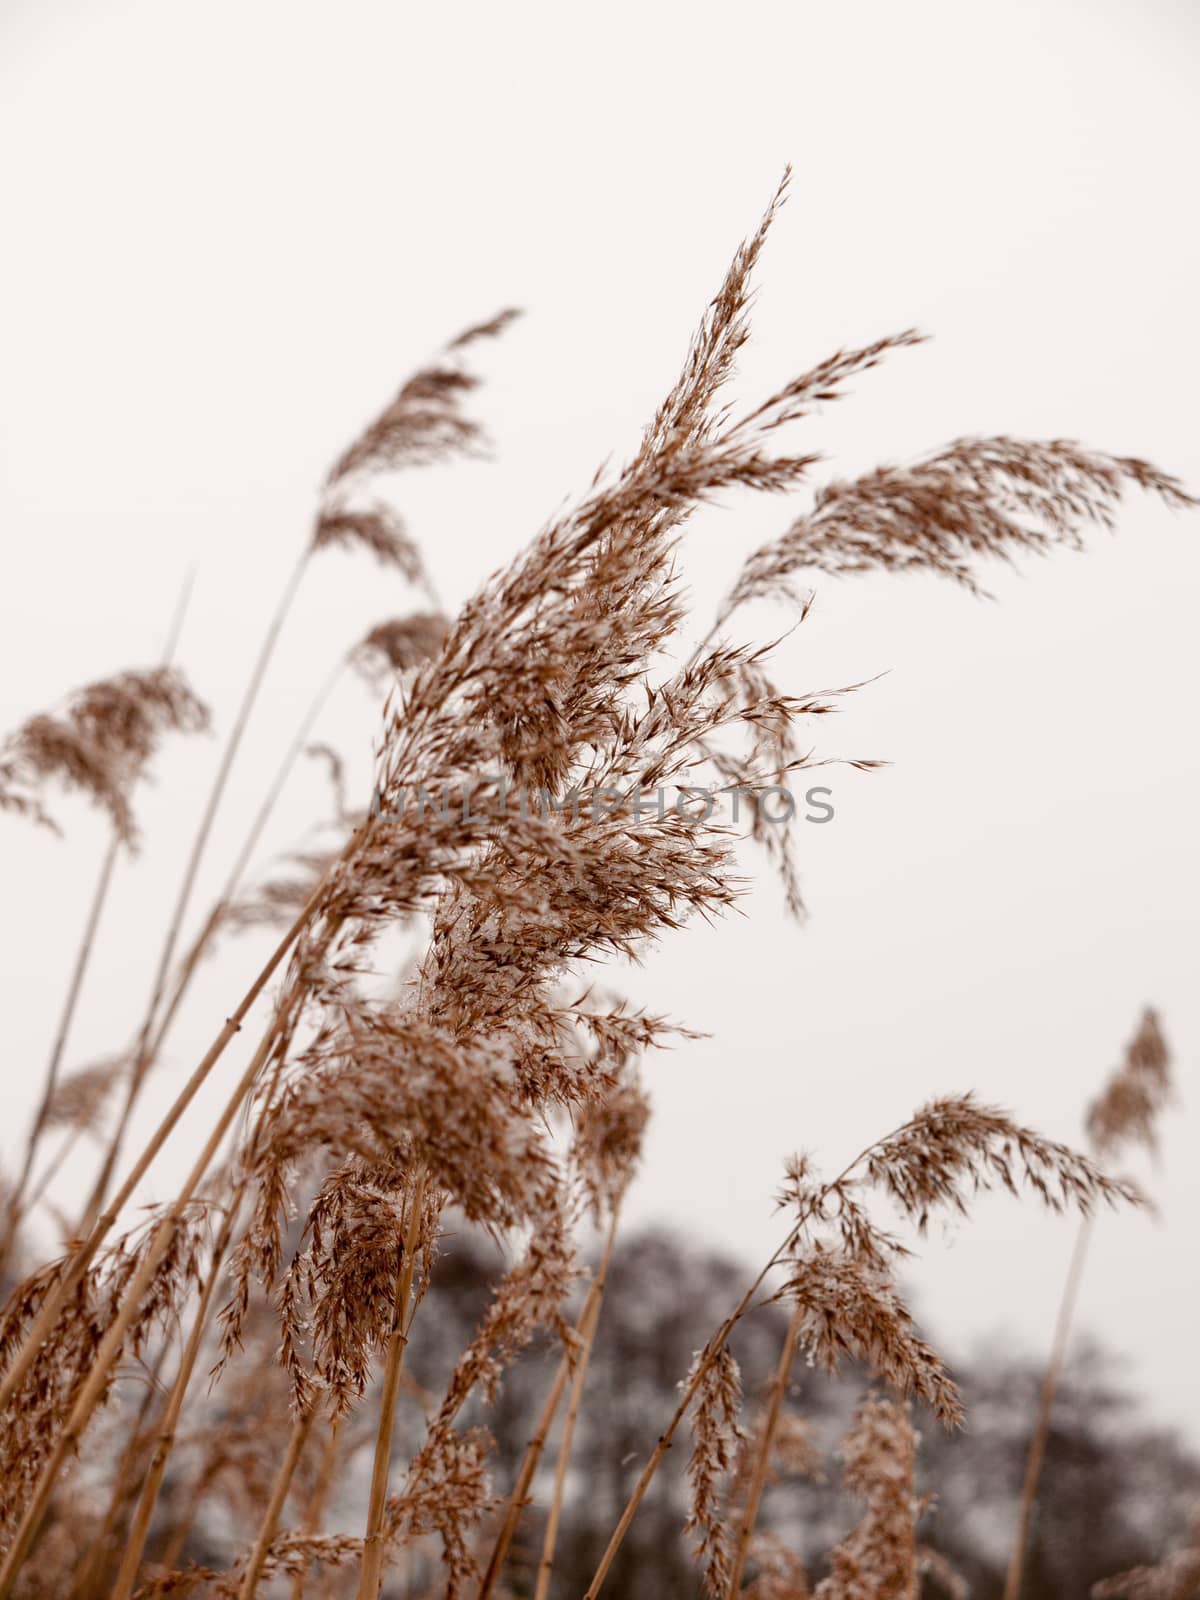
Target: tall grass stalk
<point x="314" y="1512"/>
<point x="92" y="1390"/>
<point x="530" y="1461"/>
<point x="135" y="1541"/>
<point x="17" y="1203"/>
<point x="280" y="1490"/>
<point x="17" y="1200"/>
<point x="762" y="1457"/>
<point x="83" y="1255"/>
<point x="374" y="1548"/>
<point x="1045" y="1411"/>
<point x="142" y="1057"/>
<point x="583" y="1358"/>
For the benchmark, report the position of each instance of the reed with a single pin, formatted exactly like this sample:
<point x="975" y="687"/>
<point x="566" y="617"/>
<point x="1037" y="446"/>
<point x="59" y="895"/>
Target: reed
<point x="424" y="424"/>
<point x="1124" y="1115"/>
<point x="495" y="1086"/>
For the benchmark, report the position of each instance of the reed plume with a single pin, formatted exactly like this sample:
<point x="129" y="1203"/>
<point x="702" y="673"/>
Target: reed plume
<point x="423" y="425"/>
<point x="101" y="743"/>
<point x="878" y="1560"/>
<point x="840" y="1264"/>
<point x="1125" y="1114"/>
<point x="396" y="646"/>
<point x="368" y="1121"/>
<point x="976" y="500"/>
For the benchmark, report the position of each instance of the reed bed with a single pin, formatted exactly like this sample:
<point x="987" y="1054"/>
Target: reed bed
<point x="496" y="1087"/>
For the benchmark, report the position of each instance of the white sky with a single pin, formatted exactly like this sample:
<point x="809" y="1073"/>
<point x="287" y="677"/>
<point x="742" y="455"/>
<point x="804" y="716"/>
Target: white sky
<point x="231" y="230"/>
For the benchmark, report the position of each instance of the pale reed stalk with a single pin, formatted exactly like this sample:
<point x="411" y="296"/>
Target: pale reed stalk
<point x="762" y="1460"/>
<point x="142" y="1057"/>
<point x="17" y="1207"/>
<point x="135" y="1543"/>
<point x="123" y="1488"/>
<point x="529" y="1465"/>
<point x="583" y="1357"/>
<point x="371" y="1573"/>
<point x="1041" y="1431"/>
<point x="531" y="1460"/>
<point x="200" y="944"/>
<point x="708" y="1356"/>
<point x="84" y="1253"/>
<point x="315" y="1510"/>
<point x="93" y="1388"/>
<point x="153" y="1484"/>
<point x="711" y="1351"/>
<point x="52" y="1168"/>
<point x="279" y="1493"/>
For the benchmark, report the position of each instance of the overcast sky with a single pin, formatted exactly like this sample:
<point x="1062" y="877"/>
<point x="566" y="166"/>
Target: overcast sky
<point x="231" y="229"/>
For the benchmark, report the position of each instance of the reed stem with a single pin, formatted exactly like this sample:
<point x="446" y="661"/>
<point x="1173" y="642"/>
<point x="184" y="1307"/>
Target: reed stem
<point x="279" y="1493"/>
<point x="519" y="1497"/>
<point x="125" y="1480"/>
<point x="204" y="938"/>
<point x="583" y="1358"/>
<point x="84" y="1253"/>
<point x="708" y="1356"/>
<point x="142" y="1056"/>
<point x="135" y="1543"/>
<point x="95" y="1384"/>
<point x="315" y="1510"/>
<point x="371" y="1573"/>
<point x="534" y="1450"/>
<point x="16" y="1204"/>
<point x="762" y="1460"/>
<point x="1041" y="1431"/>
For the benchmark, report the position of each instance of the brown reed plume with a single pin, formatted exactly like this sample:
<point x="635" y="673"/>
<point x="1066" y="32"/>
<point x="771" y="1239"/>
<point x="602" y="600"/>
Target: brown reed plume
<point x="101" y="743"/>
<point x="1124" y="1115"/>
<point x="781" y="1575"/>
<point x="400" y="644"/>
<point x="390" y="647"/>
<point x="879" y="1558"/>
<point x="371" y="1121"/>
<point x="840" y="1278"/>
<point x="607" y="1149"/>
<point x="552" y="948"/>
<point x="422" y="425"/>
<point x="974" y="500"/>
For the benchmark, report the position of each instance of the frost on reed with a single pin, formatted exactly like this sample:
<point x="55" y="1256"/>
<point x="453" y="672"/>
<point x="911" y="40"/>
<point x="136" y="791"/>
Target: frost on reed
<point x="372" y="1121"/>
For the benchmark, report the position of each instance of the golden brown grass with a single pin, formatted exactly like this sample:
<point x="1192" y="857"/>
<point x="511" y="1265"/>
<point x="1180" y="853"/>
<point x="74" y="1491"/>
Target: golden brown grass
<point x="298" y="1250"/>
